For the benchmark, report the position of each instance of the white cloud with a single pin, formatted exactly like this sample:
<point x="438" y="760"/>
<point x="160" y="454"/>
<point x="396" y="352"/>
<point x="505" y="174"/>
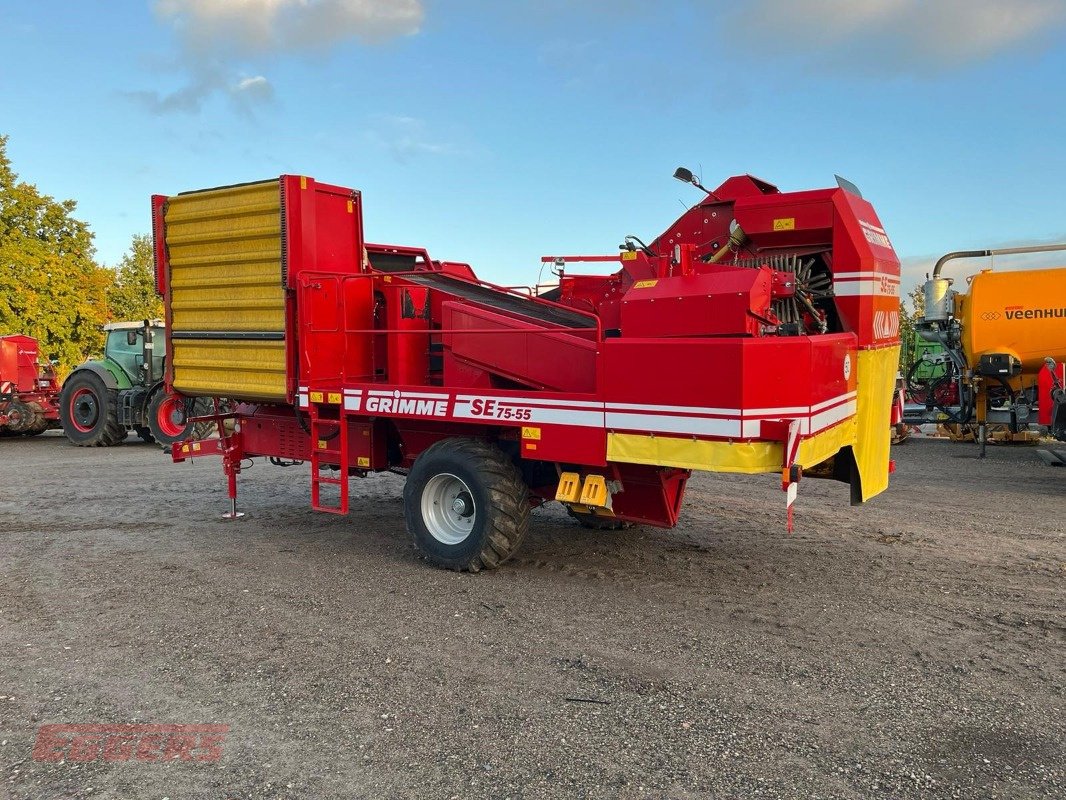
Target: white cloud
<point x="218" y="37"/>
<point x="902" y="35"/>
<point x="407" y="137"/>
<point x="263" y="26"/>
<point x="244" y="93"/>
<point x="257" y="86"/>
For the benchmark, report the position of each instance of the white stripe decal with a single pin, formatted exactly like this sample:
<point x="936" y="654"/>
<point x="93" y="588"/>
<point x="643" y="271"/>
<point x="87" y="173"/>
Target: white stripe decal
<point x="696" y="426"/>
<point x="863" y="288"/>
<point x="682" y="420"/>
<point x="834" y="401"/>
<point x="412" y="395"/>
<point x="720" y="412"/>
<point x="854" y="276"/>
<point x="464" y="409"/>
<point x="825" y="419"/>
<point x="532" y="401"/>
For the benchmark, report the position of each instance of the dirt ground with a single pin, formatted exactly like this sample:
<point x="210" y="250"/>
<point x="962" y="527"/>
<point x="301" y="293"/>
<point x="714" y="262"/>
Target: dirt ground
<point x="914" y="647"/>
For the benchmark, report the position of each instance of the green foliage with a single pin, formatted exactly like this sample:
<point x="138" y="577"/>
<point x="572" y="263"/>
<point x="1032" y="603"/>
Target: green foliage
<point x="133" y="297"/>
<point x="50" y="286"/>
<point x="908" y="319"/>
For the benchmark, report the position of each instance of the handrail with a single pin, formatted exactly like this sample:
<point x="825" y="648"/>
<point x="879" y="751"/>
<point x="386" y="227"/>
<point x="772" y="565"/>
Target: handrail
<point x="486" y="284"/>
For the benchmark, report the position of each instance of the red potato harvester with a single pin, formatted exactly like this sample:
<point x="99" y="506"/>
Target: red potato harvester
<point x="757" y="334"/>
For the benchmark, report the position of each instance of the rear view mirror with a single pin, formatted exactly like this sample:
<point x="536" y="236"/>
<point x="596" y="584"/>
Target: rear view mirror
<point x="131" y="337"/>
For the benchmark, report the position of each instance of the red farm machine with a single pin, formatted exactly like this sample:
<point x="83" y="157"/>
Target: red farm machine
<point x="28" y="389"/>
<point x="757" y="334"/>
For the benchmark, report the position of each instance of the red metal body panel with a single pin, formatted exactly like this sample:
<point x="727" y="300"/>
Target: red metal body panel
<point x="686" y="341"/>
<point x="29" y="391"/>
<point x="727" y="302"/>
<point x="18" y="362"/>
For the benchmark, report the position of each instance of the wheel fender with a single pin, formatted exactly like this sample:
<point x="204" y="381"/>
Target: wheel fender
<point x="155" y="387"/>
<point x="100" y="371"/>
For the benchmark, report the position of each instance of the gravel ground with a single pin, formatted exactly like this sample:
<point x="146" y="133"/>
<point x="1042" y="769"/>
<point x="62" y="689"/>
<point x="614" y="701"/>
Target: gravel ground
<point x="910" y="648"/>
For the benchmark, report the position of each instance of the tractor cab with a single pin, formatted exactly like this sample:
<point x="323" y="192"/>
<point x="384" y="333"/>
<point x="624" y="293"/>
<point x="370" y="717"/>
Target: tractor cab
<point x="138" y="349"/>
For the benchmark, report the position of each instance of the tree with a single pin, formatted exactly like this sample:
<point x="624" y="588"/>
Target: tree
<point x="908" y="320"/>
<point x="50" y="286"/>
<point x="133" y="297"/>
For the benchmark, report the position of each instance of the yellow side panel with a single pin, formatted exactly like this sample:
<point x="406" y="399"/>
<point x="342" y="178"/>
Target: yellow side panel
<point x="247" y="370"/>
<point x="875" y="377"/>
<point x="745" y="457"/>
<point x="225" y="253"/>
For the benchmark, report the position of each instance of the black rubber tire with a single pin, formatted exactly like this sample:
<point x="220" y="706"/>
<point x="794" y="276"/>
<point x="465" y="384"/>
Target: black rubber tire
<point x="144" y="433"/>
<point x="597" y="523"/>
<point x="500" y="497"/>
<point x="105" y="430"/>
<point x="201" y="406"/>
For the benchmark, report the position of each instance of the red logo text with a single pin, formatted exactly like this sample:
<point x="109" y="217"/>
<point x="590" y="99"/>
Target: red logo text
<point x="83" y="743"/>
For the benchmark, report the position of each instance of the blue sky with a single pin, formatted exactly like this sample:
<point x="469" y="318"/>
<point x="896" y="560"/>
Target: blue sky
<point x="496" y="132"/>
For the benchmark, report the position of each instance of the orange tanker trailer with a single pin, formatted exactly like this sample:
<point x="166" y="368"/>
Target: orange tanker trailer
<point x="1004" y="346"/>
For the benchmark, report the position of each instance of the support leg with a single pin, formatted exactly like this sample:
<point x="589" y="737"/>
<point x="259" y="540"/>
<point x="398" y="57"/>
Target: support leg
<point x="232" y="468"/>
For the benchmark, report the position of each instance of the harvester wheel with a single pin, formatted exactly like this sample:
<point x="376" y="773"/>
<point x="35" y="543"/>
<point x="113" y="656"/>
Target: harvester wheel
<point x="598" y="523"/>
<point x="168" y="421"/>
<point x="89" y="411"/>
<point x="466" y="505"/>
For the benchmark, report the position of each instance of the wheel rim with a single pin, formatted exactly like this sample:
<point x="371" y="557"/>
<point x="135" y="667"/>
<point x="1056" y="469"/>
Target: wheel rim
<point x="448" y="508"/>
<point x="84" y="409"/>
<point x="170" y="416"/>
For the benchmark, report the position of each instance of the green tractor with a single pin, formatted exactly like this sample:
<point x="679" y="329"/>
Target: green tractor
<point x="102" y="401"/>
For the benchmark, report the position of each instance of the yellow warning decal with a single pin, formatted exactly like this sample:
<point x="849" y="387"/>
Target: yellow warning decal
<point x="644" y="284"/>
<point x="531" y="433"/>
<point x="629" y="255"/>
<point x="316" y="397"/>
<point x="321" y="444"/>
<point x="303" y="182"/>
<point x="785" y="224"/>
<point x="363" y="461"/>
<point x="334" y="397"/>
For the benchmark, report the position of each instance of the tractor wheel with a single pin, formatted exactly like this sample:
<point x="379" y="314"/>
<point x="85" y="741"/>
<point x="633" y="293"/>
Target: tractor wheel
<point x="144" y="433"/>
<point x="598" y="523"/>
<point x="89" y="411"/>
<point x="168" y="421"/>
<point x="466" y="505"/>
